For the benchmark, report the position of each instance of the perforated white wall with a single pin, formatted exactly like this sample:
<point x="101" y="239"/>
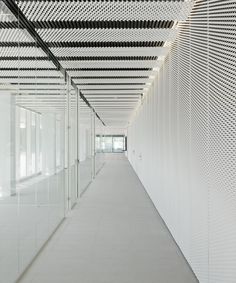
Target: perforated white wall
<point x="182" y="141"/>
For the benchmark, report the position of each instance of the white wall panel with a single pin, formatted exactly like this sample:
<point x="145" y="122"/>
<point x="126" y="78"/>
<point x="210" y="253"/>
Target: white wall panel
<point x="182" y="141"/>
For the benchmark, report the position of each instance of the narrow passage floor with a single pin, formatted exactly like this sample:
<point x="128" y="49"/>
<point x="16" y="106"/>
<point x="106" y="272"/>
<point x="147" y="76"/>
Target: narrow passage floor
<point x="113" y="235"/>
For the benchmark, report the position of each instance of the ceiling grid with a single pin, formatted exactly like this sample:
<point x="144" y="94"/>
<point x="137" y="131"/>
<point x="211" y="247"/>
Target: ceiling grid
<point x="112" y="50"/>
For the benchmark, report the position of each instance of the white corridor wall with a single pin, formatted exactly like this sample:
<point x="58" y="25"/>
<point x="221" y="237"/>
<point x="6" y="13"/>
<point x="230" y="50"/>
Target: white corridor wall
<point x="182" y="141"/>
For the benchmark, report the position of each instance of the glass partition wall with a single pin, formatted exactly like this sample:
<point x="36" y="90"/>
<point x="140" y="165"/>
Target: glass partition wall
<point x="41" y="143"/>
<point x="72" y="149"/>
<point x="85" y="145"/>
<point x="99" y="139"/>
<point x="33" y="109"/>
<point x="114" y="143"/>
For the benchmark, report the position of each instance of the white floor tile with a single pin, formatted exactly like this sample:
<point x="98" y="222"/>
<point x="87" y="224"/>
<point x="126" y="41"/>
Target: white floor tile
<point x="114" y="235"/>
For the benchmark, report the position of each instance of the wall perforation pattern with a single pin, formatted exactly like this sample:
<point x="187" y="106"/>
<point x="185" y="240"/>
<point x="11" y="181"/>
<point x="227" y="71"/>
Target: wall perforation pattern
<point x="192" y="149"/>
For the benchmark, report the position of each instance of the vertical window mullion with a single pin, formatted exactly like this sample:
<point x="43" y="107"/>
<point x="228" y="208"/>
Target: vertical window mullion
<point x="28" y="144"/>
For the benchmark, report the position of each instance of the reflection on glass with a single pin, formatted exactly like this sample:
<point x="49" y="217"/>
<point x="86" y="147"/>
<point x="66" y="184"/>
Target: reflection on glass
<point x="73" y="149"/>
<point x="23" y="142"/>
<point x="98" y="143"/>
<point x="32" y="147"/>
<point x="28" y="140"/>
<point x="58" y="143"/>
<point x="85" y="146"/>
<point x="33" y="144"/>
<point x="99" y="154"/>
<point x="38" y="145"/>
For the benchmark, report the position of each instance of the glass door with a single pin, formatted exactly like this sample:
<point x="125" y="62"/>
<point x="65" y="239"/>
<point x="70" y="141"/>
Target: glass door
<point x="118" y="144"/>
<point x="107" y="144"/>
<point x="114" y="144"/>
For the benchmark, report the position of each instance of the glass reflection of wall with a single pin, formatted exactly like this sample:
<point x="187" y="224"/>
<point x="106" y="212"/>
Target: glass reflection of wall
<point x="88" y="143"/>
<point x="85" y="146"/>
<point x="32" y="146"/>
<point x="5" y="142"/>
<point x="29" y="154"/>
<point x="99" y="159"/>
<point x="28" y="143"/>
<point x="58" y="143"/>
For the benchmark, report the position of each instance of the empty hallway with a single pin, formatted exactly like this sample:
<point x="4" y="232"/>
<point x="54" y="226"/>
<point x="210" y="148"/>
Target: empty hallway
<point x="113" y="235"/>
<point x="117" y="141"/>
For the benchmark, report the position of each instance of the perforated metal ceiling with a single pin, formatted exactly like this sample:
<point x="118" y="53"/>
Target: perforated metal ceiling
<point x="105" y="10"/>
<point x="107" y="47"/>
<point x="73" y="35"/>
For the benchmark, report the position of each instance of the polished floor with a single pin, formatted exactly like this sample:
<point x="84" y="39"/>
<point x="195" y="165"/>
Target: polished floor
<point x="114" y="235"/>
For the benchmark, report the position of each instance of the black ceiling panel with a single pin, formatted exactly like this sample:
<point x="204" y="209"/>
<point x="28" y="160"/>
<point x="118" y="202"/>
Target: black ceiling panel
<point x="103" y="24"/>
<point x="108" y="58"/>
<point x="107" y="44"/>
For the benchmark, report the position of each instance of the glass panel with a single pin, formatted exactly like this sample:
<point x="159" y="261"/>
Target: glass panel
<point x="33" y="143"/>
<point x="107" y="144"/>
<point x="8" y="197"/>
<point x="113" y="143"/>
<point x="99" y="154"/>
<point x="9" y="225"/>
<point x="58" y="143"/>
<point x="85" y="146"/>
<point x="32" y="147"/>
<point x="73" y="147"/>
<point x="118" y="144"/>
<point x="23" y="143"/>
